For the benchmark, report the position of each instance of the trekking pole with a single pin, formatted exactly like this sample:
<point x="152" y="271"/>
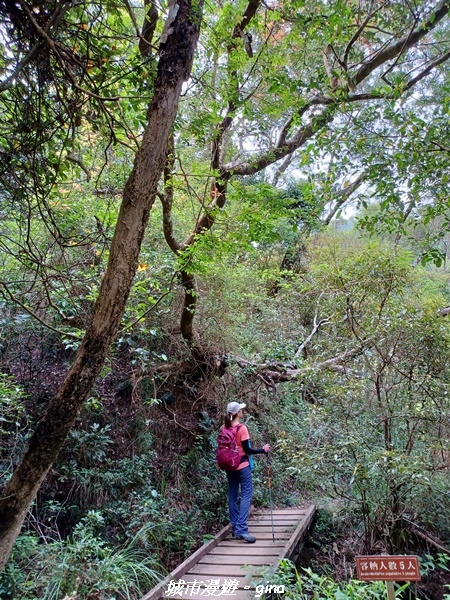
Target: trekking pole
<point x="270" y="495"/>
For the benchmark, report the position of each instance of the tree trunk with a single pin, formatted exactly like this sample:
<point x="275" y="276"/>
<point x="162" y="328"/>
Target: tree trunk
<point x="180" y="39"/>
<point x="189" y="306"/>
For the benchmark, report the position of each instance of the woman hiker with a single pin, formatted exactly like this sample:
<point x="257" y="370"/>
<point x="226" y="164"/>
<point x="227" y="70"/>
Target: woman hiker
<point x="242" y="476"/>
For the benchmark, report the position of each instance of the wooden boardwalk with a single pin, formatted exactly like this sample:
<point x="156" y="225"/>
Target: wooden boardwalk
<point x="229" y="568"/>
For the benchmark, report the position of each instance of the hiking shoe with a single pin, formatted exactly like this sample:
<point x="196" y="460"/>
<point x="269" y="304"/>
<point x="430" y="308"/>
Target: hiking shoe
<point x="246" y="537"/>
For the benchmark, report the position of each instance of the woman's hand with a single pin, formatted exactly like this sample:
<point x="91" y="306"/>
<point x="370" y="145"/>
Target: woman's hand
<point x="266" y="448"/>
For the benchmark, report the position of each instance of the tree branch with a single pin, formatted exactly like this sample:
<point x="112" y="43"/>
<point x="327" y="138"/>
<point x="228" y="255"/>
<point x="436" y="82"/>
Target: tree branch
<point x="405" y="43"/>
<point x="226" y="122"/>
<point x="427" y="70"/>
<point x="316" y="326"/>
<point x="359" y="32"/>
<point x="282" y="168"/>
<point x="392" y="50"/>
<point x="149" y="26"/>
<point x="167" y="199"/>
<point x="53" y="23"/>
<point x="16" y="300"/>
<point x="344" y="196"/>
<point x="78" y="162"/>
<point x="271" y="156"/>
<point x="281" y="372"/>
<point x="51" y="44"/>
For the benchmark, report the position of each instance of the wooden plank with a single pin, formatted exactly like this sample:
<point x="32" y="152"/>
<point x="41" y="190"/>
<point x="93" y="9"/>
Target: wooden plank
<point x="260" y="527"/>
<point x="157" y="591"/>
<point x="279" y="514"/>
<point x="267" y="535"/>
<point x="233" y="559"/>
<point x="287" y="510"/>
<point x="282" y="512"/>
<point x="251" y="550"/>
<point x="260" y="542"/>
<point x="276" y="518"/>
<point x="276" y="527"/>
<point x="231" y="542"/>
<point x="242" y="580"/>
<point x="224" y="553"/>
<point x="278" y="522"/>
<point x="234" y="542"/>
<point x="300" y="530"/>
<point x="228" y="571"/>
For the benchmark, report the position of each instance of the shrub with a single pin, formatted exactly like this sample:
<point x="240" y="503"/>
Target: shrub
<point x="308" y="585"/>
<point x="12" y="425"/>
<point x="83" y="563"/>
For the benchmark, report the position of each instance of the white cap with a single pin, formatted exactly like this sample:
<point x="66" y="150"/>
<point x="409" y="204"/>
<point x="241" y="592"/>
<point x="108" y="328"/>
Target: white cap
<point x="234" y="407"/>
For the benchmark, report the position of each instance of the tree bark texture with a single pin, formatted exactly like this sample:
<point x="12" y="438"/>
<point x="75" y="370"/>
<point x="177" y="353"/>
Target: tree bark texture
<point x="189" y="306"/>
<point x="177" y="48"/>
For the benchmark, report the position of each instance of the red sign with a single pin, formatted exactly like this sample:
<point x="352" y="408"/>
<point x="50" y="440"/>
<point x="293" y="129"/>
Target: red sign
<point x="388" y="568"/>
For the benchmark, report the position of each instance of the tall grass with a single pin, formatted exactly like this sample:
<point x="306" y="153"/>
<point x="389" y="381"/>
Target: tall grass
<point x="82" y="566"/>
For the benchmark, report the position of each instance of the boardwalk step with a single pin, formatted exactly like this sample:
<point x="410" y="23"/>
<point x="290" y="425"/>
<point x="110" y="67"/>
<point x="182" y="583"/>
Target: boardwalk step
<point x="226" y="566"/>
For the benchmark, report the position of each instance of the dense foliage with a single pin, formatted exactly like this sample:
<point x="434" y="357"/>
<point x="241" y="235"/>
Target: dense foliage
<point x="295" y="259"/>
<point x="368" y="441"/>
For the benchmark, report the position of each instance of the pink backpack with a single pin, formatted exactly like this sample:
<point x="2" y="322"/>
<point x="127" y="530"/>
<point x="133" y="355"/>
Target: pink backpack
<point x="228" y="457"/>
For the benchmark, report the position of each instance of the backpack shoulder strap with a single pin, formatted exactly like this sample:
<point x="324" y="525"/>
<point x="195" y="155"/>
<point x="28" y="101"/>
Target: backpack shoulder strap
<point x="236" y="429"/>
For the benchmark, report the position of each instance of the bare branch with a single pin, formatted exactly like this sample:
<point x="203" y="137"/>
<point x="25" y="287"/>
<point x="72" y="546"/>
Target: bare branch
<point x="316" y="326"/>
<point x="440" y="147"/>
<point x="359" y="32"/>
<point x="315" y="329"/>
<point x="287" y="161"/>
<point x="280" y="372"/>
<point x="405" y="216"/>
<point x="27" y="309"/>
<point x="80" y="163"/>
<point x="52" y="45"/>
<point x="395" y="48"/>
<point x="132" y="17"/>
<point x="427" y="70"/>
<point x="343" y="197"/>
<point x="327" y="54"/>
<point x="149" y="26"/>
<point x="53" y="23"/>
<point x="419" y="531"/>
